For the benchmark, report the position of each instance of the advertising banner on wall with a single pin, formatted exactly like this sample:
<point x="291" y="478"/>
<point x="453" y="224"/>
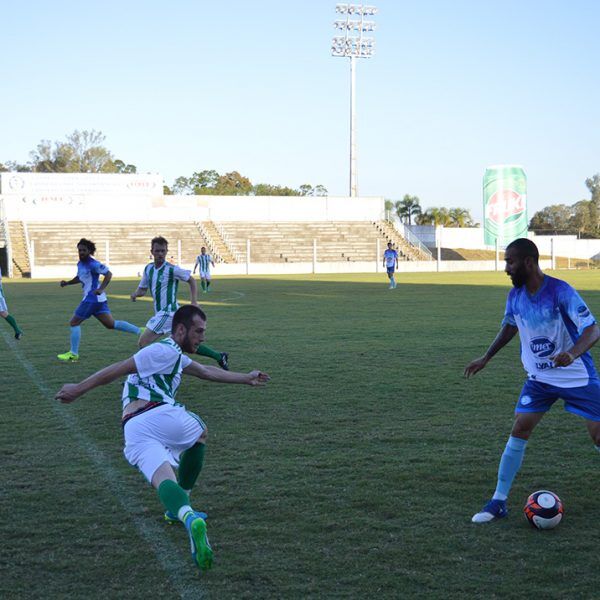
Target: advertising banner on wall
<point x="69" y="185"/>
<point x="504" y="204"/>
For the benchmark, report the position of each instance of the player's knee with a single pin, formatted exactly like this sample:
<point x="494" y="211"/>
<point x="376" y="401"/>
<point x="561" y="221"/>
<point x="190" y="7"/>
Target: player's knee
<point x="203" y="437"/>
<point x="521" y="430"/>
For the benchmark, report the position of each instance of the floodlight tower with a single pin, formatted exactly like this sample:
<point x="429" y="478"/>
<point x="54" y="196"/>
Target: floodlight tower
<point x="351" y="42"/>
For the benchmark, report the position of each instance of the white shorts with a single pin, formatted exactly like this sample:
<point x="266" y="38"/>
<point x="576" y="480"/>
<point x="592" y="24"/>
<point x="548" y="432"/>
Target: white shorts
<point x="161" y="322"/>
<point x="205" y="275"/>
<point x="3" y="307"/>
<point x="160" y="435"/>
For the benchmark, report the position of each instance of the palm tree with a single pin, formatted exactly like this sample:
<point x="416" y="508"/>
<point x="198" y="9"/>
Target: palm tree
<point x="460" y="217"/>
<point x="435" y="216"/>
<point x="407" y="208"/>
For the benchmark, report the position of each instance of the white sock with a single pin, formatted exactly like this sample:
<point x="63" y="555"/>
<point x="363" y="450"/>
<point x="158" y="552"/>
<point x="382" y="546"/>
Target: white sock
<point x="184" y="510"/>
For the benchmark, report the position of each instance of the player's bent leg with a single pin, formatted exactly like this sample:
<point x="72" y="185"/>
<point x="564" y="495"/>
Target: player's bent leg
<point x="593" y="428"/>
<point x="173" y="496"/>
<point x="222" y="358"/>
<point x="148" y="336"/>
<point x="106" y="319"/>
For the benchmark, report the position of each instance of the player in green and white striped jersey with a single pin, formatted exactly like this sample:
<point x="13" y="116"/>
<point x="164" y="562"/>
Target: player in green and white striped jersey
<point x="160" y="434"/>
<point x="204" y="261"/>
<point x="4" y="313"/>
<point x="162" y="279"/>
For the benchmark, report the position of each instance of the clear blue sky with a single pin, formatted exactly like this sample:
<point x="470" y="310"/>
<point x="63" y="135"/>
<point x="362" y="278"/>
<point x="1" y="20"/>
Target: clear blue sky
<point x="189" y="85"/>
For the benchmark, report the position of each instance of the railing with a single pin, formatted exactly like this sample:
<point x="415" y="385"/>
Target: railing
<point x="412" y="239"/>
<point x="209" y="241"/>
<point x="237" y="257"/>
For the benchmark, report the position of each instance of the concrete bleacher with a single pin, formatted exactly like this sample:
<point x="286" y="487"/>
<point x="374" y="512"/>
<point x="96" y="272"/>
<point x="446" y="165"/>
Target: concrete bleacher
<point x="338" y="241"/>
<point x="129" y="243"/>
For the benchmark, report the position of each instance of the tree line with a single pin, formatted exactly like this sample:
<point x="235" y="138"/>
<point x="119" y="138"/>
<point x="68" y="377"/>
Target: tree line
<point x="409" y="208"/>
<point x="581" y="218"/>
<point x="84" y="152"/>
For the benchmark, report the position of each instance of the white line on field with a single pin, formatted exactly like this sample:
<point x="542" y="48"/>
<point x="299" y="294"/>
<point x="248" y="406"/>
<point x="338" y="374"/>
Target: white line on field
<point x="167" y="554"/>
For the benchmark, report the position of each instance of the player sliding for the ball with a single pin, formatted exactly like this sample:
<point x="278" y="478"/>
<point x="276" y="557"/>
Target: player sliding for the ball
<point x="556" y="329"/>
<point x="160" y="433"/>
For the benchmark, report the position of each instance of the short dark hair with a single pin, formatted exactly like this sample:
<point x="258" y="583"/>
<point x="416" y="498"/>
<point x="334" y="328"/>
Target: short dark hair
<point x="159" y="239"/>
<point x="185" y="315"/>
<point x="88" y="244"/>
<point x="525" y="248"/>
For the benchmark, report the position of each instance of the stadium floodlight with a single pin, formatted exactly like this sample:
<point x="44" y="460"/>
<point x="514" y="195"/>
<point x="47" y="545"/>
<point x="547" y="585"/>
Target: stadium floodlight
<point x="351" y="43"/>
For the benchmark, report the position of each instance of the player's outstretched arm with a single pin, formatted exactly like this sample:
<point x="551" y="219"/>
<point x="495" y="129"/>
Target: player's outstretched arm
<point x="589" y="336"/>
<point x="504" y="336"/>
<point x="71" y="391"/>
<point x="73" y="281"/>
<point x="138" y="293"/>
<point x="216" y="374"/>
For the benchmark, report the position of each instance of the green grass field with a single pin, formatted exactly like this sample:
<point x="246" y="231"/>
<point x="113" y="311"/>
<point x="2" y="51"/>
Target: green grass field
<point x="354" y="473"/>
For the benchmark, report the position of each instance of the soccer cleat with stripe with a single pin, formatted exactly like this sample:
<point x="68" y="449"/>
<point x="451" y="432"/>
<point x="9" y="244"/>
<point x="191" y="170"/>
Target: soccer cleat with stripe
<point x="201" y="551"/>
<point x="170" y="518"/>
<point x="494" y="509"/>
<point x="68" y="357"/>
<point x="224" y="362"/>
<point x="18" y="335"/>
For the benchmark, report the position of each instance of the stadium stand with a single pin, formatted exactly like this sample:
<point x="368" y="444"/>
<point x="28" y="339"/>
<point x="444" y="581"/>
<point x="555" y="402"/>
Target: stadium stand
<point x="338" y="241"/>
<point x="129" y="243"/>
<point x="54" y="243"/>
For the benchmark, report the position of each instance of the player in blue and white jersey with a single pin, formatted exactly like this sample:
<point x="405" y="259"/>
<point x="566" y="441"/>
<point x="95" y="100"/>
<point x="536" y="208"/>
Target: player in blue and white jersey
<point x="390" y="262"/>
<point x="160" y="434"/>
<point x="556" y="329"/>
<point x="94" y="302"/>
<point x="7" y="317"/>
<point x="204" y="261"/>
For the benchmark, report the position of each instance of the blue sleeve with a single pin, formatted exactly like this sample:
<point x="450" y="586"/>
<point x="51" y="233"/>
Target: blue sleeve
<point x="509" y="317"/>
<point x="99" y="268"/>
<point x="575" y="308"/>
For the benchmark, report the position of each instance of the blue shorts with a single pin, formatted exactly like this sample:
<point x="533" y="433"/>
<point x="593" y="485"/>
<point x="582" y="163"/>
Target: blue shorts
<point x="539" y="397"/>
<point x="91" y="309"/>
<point x="390" y="270"/>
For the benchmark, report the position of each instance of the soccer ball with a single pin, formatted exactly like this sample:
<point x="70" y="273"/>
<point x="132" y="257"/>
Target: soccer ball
<point x="543" y="509"/>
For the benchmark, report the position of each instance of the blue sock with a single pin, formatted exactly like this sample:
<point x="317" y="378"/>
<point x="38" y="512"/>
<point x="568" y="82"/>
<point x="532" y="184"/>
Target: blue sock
<point x="128" y="327"/>
<point x="510" y="463"/>
<point x="75" y="338"/>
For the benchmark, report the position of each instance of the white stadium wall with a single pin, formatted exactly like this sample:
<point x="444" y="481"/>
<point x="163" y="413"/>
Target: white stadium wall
<point x="122" y="197"/>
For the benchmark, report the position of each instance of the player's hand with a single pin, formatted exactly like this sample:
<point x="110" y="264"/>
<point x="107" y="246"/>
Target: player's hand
<point x="475" y="366"/>
<point x="563" y="359"/>
<point x="98" y="292"/>
<point x="258" y="378"/>
<point x="68" y="393"/>
<point x="133" y="297"/>
<point x="63" y="283"/>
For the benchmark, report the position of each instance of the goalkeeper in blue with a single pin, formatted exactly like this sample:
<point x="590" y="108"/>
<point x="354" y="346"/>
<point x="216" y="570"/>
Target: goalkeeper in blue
<point x="160" y="434"/>
<point x="556" y="330"/>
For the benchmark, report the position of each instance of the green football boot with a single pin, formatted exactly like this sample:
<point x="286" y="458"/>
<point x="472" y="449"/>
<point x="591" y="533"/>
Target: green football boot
<point x="68" y="357"/>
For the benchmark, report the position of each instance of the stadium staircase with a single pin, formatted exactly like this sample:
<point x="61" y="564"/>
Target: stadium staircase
<point x="19" y="249"/>
<point x="216" y="245"/>
<point x="405" y="248"/>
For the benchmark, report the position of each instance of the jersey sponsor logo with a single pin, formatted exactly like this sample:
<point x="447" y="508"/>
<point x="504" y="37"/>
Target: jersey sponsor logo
<point x="542" y="347"/>
<point x="583" y="311"/>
